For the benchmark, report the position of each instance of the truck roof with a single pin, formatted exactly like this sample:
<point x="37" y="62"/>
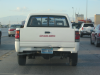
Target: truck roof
<point x="63" y="14"/>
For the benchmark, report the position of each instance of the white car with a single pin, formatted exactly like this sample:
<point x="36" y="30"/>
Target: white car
<point x="41" y="38"/>
<point x="86" y="29"/>
<point x="12" y="29"/>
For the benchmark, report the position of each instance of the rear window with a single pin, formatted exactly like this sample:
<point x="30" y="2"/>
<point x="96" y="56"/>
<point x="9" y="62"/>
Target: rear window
<point x="15" y="26"/>
<point x="76" y="25"/>
<point x="48" y="21"/>
<point x="88" y="25"/>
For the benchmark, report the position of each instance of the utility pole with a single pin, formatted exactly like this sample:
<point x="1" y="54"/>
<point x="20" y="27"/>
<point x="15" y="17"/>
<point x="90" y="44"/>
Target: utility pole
<point x="73" y="13"/>
<point x="86" y="9"/>
<point x="9" y="21"/>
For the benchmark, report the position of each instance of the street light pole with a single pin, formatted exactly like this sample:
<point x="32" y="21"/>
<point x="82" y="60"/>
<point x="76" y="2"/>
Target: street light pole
<point x="9" y="21"/>
<point x="86" y="9"/>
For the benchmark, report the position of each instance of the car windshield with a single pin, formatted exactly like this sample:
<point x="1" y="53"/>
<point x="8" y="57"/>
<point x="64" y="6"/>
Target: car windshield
<point x="88" y="25"/>
<point x="48" y="21"/>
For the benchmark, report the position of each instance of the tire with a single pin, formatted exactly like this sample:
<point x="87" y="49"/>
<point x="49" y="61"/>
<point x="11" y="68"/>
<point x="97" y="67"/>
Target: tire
<point x="21" y="59"/>
<point x="13" y="35"/>
<point x="0" y="40"/>
<point x="9" y="35"/>
<point x="91" y="41"/>
<point x="96" y="43"/>
<point x="0" y="37"/>
<point x="81" y="35"/>
<point x="73" y="59"/>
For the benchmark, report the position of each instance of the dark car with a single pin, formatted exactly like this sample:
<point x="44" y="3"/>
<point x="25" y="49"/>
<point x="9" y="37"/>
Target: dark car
<point x="95" y="36"/>
<point x="76" y="25"/>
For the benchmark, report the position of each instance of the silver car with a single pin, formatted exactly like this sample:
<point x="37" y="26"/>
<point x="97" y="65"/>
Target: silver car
<point x="12" y="29"/>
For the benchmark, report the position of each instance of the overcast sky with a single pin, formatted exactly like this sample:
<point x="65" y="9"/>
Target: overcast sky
<point x="24" y="7"/>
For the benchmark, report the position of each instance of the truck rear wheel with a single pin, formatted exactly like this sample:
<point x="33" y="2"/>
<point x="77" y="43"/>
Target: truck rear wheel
<point x="96" y="43"/>
<point x="21" y="59"/>
<point x="91" y="40"/>
<point x="81" y="35"/>
<point x="73" y="58"/>
<point x="9" y="35"/>
<point x="0" y="40"/>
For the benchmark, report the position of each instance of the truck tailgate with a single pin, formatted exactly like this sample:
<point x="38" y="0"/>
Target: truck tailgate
<point x="47" y="37"/>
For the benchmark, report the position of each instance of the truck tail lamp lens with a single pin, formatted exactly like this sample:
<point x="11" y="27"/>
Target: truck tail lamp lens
<point x="82" y="28"/>
<point x="17" y="34"/>
<point x="99" y="34"/>
<point x="77" y="36"/>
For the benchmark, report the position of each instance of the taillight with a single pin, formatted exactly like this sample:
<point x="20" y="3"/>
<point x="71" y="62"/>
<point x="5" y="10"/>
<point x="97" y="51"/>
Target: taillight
<point x="99" y="34"/>
<point x="77" y="36"/>
<point x="11" y="29"/>
<point x="82" y="28"/>
<point x="17" y="34"/>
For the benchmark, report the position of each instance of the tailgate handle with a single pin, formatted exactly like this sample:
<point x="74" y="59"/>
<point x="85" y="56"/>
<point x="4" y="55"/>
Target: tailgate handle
<point x="47" y="32"/>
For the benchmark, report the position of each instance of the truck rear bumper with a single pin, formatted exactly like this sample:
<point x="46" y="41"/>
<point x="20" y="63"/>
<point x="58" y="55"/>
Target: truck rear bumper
<point x="85" y="33"/>
<point x="72" y="50"/>
<point x="20" y="48"/>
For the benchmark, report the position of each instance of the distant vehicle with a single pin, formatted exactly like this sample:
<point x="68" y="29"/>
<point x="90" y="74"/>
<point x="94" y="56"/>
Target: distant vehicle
<point x="85" y="21"/>
<point x="86" y="29"/>
<point x="76" y="25"/>
<point x="95" y="36"/>
<point x="0" y="36"/>
<point x="12" y="29"/>
<point x="47" y="35"/>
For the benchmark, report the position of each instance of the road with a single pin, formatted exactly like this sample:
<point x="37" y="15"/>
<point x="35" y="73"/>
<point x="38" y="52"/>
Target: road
<point x="88" y="61"/>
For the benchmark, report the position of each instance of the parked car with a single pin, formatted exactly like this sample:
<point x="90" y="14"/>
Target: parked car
<point x="86" y="29"/>
<point x="12" y="29"/>
<point x="95" y="36"/>
<point x="0" y="36"/>
<point x="76" y="25"/>
<point x="37" y="39"/>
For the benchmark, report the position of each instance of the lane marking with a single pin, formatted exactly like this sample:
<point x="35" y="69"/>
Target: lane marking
<point x="6" y="54"/>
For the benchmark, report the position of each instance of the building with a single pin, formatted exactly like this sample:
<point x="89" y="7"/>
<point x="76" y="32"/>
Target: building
<point x="96" y="19"/>
<point x="79" y="17"/>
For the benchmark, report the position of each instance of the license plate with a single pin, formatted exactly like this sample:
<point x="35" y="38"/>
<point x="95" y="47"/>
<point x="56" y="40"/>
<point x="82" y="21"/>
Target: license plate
<point x="47" y="51"/>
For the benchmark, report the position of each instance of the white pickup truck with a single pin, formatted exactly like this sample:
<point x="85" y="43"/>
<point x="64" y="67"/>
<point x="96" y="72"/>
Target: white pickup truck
<point x="47" y="35"/>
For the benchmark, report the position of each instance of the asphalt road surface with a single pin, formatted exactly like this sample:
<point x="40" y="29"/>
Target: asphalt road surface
<point x="88" y="61"/>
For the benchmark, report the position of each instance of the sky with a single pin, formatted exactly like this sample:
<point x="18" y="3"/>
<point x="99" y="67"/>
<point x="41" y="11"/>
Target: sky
<point x="24" y="7"/>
